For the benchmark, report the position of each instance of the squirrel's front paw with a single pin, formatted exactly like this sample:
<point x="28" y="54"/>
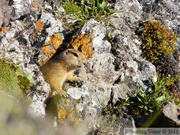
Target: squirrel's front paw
<point x="60" y="92"/>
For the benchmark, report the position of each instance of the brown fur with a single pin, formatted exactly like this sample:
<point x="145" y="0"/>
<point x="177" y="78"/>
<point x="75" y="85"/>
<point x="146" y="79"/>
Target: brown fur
<point x="61" y="68"/>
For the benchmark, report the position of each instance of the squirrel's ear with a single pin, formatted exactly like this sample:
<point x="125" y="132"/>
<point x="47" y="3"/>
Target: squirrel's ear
<point x="67" y="51"/>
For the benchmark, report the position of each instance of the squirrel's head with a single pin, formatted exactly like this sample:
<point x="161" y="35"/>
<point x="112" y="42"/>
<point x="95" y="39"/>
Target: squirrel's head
<point x="73" y="57"/>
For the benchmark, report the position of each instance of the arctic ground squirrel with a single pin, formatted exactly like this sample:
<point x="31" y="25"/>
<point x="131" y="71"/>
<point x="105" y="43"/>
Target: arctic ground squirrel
<point x="61" y="68"/>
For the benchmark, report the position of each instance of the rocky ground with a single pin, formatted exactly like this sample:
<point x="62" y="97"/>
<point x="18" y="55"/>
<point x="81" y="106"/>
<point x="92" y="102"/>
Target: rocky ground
<point x="32" y="31"/>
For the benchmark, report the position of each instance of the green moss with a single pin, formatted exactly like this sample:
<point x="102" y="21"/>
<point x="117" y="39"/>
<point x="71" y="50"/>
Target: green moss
<point x="71" y="8"/>
<point x="9" y="80"/>
<point x="157" y="40"/>
<point x="13" y="80"/>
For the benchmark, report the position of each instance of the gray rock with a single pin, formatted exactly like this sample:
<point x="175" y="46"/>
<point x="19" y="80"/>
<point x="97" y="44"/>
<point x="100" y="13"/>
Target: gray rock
<point x="55" y="24"/>
<point x="128" y="61"/>
<point x="20" y="7"/>
<point x="5" y="12"/>
<point x="171" y="111"/>
<point x="102" y="76"/>
<point x="112" y="124"/>
<point x="167" y="11"/>
<point x="130" y="10"/>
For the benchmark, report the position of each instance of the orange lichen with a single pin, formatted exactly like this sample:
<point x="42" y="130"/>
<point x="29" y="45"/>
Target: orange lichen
<point x="67" y="116"/>
<point x="50" y="48"/>
<point x="67" y="113"/>
<point x="84" y="44"/>
<point x="4" y="30"/>
<point x="134" y="73"/>
<point x="39" y="25"/>
<point x="62" y="115"/>
<point x="56" y="39"/>
<point x="34" y="5"/>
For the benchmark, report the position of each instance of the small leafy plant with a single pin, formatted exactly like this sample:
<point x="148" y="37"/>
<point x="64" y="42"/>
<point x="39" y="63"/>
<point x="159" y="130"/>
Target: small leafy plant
<point x="86" y="9"/>
<point x="157" y="40"/>
<point x="96" y="8"/>
<point x="147" y="102"/>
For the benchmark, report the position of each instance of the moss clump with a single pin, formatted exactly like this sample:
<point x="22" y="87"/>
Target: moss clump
<point x="157" y="40"/>
<point x="71" y="8"/>
<point x="13" y="80"/>
<point x="9" y="80"/>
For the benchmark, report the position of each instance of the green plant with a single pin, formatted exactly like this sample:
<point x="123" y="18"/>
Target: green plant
<point x="96" y="8"/>
<point x="147" y="102"/>
<point x="86" y="9"/>
<point x="71" y="7"/>
<point x="152" y="101"/>
<point x="157" y="40"/>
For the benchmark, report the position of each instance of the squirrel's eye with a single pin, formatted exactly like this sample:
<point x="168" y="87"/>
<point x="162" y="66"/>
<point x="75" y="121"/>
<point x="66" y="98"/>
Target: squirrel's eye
<point x="75" y="54"/>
